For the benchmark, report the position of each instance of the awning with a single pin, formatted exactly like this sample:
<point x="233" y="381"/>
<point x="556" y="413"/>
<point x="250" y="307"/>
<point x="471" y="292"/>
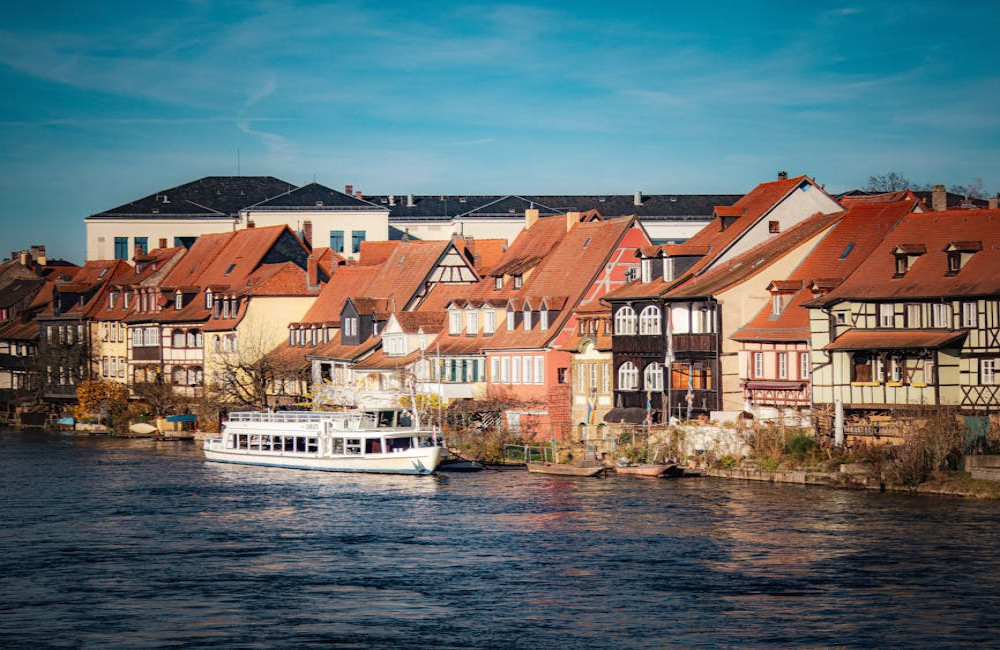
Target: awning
<point x="857" y="339"/>
<point x="632" y="415"/>
<point x="182" y="418"/>
<point x="775" y="385"/>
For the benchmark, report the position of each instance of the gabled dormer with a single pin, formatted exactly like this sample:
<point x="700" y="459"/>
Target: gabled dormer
<point x="351" y="332"/>
<point x="959" y="253"/>
<point x="782" y="292"/>
<point x="906" y="256"/>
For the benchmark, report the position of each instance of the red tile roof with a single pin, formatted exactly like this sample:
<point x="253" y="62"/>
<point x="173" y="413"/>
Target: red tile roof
<point x="376" y="252"/>
<point x="927" y="276"/>
<point x="856" y="235"/>
<point x="857" y="339"/>
<point x="856" y="200"/>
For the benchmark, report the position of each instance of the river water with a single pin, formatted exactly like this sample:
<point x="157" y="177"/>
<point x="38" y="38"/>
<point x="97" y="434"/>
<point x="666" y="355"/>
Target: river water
<point x="109" y="542"/>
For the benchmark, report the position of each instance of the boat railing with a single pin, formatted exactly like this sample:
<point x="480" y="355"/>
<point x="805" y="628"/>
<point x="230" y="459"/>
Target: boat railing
<point x="290" y="416"/>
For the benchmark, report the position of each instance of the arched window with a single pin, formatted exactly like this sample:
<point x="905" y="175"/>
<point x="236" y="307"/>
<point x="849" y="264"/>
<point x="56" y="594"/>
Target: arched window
<point x="649" y="320"/>
<point x="625" y="321"/>
<point x="652" y="377"/>
<point x="195" y="375"/>
<point x="217" y="343"/>
<point x="177" y="339"/>
<point x="192" y="338"/>
<point x="628" y="376"/>
<point x="177" y="375"/>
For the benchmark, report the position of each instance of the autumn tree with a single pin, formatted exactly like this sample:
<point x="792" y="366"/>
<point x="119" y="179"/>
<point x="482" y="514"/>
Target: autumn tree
<point x="248" y="371"/>
<point x="106" y="399"/>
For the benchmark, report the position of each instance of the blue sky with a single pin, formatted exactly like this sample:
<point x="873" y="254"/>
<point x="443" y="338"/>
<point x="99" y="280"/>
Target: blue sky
<point x="110" y="101"/>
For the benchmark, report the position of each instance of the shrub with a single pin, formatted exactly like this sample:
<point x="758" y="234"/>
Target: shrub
<point x="800" y="445"/>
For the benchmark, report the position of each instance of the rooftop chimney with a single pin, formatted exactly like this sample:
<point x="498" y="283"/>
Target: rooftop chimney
<point x="357" y="194"/>
<point x="530" y="217"/>
<point x="348" y="190"/>
<point x="637" y="200"/>
<point x="38" y="252"/>
<point x="25" y="257"/>
<point x="994" y="202"/>
<point x="572" y="218"/>
<point x="392" y="199"/>
<point x="782" y="175"/>
<point x="939" y="198"/>
<point x="307" y="233"/>
<point x="409" y="201"/>
<point x="312" y="273"/>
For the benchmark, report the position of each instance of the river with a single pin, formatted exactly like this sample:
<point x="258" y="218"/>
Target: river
<point x="135" y="543"/>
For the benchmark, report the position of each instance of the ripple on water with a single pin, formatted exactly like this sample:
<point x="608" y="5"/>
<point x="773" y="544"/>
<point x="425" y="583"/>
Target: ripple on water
<point x="118" y="542"/>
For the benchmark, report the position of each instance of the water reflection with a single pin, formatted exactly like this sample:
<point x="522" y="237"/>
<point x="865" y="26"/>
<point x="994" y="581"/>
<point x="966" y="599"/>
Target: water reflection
<point x="142" y="544"/>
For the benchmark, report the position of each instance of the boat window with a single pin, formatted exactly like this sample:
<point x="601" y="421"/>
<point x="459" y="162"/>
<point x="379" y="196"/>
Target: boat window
<point x="289" y="443"/>
<point x="398" y="444"/>
<point x="255" y="442"/>
<point x="313" y="445"/>
<point x="353" y="446"/>
<point x="300" y="444"/>
<point x="231" y="441"/>
<point x="265" y="443"/>
<point x="242" y="441"/>
<point x="373" y="447"/>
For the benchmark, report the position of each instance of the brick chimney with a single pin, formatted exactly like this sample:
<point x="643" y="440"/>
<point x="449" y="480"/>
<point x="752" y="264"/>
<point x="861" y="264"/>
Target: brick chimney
<point x="572" y="218"/>
<point x="782" y="175"/>
<point x="312" y="272"/>
<point x="38" y="252"/>
<point x="357" y="194"/>
<point x="939" y="198"/>
<point x="530" y="217"/>
<point x="348" y="190"/>
<point x="307" y="233"/>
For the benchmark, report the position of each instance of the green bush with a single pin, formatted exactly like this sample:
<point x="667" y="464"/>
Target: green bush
<point x="800" y="445"/>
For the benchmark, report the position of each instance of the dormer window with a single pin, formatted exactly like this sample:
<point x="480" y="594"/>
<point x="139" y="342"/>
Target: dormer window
<point x="647" y="270"/>
<point x="954" y="263"/>
<point x="959" y="253"/>
<point x="527" y="317"/>
<point x="126" y="298"/>
<point x="489" y="321"/>
<point x="543" y="317"/>
<point x="510" y="319"/>
<point x="178" y="300"/>
<point x="208" y="299"/>
<point x="906" y="255"/>
<point x="112" y="298"/>
<point x="518" y="281"/>
<point x="472" y="322"/>
<point x="498" y="283"/>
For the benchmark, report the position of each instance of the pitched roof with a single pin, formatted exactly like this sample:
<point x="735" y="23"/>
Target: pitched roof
<point x="927" y="274"/>
<point x="861" y="339"/>
<point x="209" y="197"/>
<point x="313" y="197"/>
<point x="851" y="240"/>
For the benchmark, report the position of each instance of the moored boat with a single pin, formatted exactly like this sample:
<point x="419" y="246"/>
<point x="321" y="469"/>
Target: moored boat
<point x="648" y="469"/>
<point x="566" y="470"/>
<point x="333" y="442"/>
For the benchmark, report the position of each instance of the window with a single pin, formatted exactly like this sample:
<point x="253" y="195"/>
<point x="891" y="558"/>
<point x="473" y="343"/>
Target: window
<point x="177" y="339"/>
<point x="140" y="245"/>
<point x="777" y="304"/>
<point x="178" y="300"/>
<point x="885" y="315"/>
<point x="773" y="227"/>
<point x="896" y="370"/>
<point x="527" y="317"/>
<point x="902" y="264"/>
<point x="489" y="321"/>
<point x="913" y="315"/>
<point x="987" y="371"/>
<point x="539" y="370"/>
<point x="104" y="366"/>
<point x="543" y="318"/>
<point x="652" y="377"/>
<point x="112" y="298"/>
<point x="498" y="283"/>
<point x="646" y="270"/>
<point x="351" y="326"/>
<point x="782" y="365"/>
<point x="515" y="370"/>
<point x="941" y="315"/>
<point x="954" y="263"/>
<point x="150" y="336"/>
<point x="970" y="315"/>
<point x="127" y="298"/>
<point x="561" y="375"/>
<point x="649" y="320"/>
<point x="518" y="281"/>
<point x="337" y="241"/>
<point x="605" y="377"/>
<point x="505" y="370"/>
<point x="628" y="376"/>
<point x="454" y="322"/>
<point x="840" y="317"/>
<point x="357" y="236"/>
<point x="137" y="337"/>
<point x="121" y="248"/>
<point x="593" y="375"/>
<point x="804" y="365"/>
<point x="625" y="321"/>
<point x="472" y="322"/>
<point x="581" y="378"/>
<point x="495" y="369"/>
<point x="758" y="364"/>
<point x="510" y="319"/>
<point x="208" y="299"/>
<point x="229" y="269"/>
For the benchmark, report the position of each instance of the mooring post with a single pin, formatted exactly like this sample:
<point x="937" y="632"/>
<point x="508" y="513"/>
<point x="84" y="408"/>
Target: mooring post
<point x="838" y="423"/>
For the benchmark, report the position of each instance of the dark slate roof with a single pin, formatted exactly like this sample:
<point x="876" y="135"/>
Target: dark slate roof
<point x="653" y="207"/>
<point x="212" y="196"/>
<point x="316" y="197"/>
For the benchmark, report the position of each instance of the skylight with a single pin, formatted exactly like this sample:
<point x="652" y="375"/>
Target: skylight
<point x="103" y="272"/>
<point x="230" y="268"/>
<point x="847" y="251"/>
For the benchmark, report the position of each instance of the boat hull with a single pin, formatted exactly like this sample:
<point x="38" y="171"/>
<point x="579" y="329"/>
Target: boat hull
<point x="424" y="460"/>
<point x="645" y="470"/>
<point x="564" y="470"/>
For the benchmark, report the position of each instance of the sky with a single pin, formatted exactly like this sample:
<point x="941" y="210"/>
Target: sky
<point x="107" y="102"/>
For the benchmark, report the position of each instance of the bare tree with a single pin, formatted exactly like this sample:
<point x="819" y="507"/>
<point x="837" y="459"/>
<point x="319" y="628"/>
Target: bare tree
<point x="973" y="190"/>
<point x="889" y="182"/>
<point x="248" y="368"/>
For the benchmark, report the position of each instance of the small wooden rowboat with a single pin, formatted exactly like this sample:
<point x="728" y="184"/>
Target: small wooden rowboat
<point x="653" y="470"/>
<point x="566" y="470"/>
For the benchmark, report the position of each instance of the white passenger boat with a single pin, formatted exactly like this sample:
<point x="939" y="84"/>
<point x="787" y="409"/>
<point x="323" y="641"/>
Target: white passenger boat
<point x="334" y="442"/>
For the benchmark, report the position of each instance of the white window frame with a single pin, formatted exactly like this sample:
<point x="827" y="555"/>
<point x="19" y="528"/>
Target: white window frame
<point x="970" y="314"/>
<point x="527" y="318"/>
<point x="539" y="369"/>
<point x="987" y="372"/>
<point x="649" y="320"/>
<point x="489" y="321"/>
<point x="543" y="318"/>
<point x="625" y="321"/>
<point x="472" y="322"/>
<point x="758" y="364"/>
<point x="886" y="315"/>
<point x="805" y="365"/>
<point x="454" y="322"/>
<point x="510" y="320"/>
<point x="495" y="369"/>
<point x="515" y="370"/>
<point x="652" y="377"/>
<point x="782" y="365"/>
<point x="504" y="370"/>
<point x="526" y="368"/>
<point x="628" y="377"/>
<point x="941" y="315"/>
